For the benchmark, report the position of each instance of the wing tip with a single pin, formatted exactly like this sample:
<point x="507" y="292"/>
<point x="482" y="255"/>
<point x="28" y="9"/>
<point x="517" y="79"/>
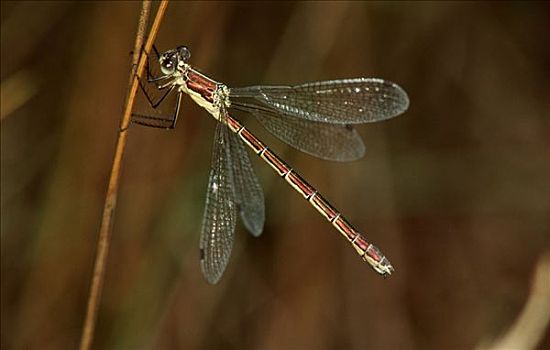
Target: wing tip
<point x="212" y="277"/>
<point x="402" y="98"/>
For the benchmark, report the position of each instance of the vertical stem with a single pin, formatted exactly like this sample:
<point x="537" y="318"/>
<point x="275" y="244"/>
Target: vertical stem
<point x="105" y="230"/>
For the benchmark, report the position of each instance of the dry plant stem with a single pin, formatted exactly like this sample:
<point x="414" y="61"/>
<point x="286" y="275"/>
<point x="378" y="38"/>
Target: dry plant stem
<point x="112" y="190"/>
<point x="529" y="328"/>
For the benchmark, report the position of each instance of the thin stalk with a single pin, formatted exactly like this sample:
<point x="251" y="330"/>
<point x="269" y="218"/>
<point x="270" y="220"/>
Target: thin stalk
<point x="105" y="230"/>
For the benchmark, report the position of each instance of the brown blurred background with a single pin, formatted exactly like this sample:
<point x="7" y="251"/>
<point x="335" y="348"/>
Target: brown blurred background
<point x="456" y="191"/>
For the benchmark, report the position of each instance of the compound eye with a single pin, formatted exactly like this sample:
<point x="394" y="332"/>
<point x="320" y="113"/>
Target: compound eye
<point x="184" y="52"/>
<point x="168" y="63"/>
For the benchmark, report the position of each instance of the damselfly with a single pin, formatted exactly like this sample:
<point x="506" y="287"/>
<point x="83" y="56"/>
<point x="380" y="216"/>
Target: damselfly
<point x="315" y="118"/>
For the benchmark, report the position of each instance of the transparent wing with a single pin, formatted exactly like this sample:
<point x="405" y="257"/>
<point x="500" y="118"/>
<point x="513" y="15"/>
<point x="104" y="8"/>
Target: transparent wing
<point x="248" y="192"/>
<point x="220" y="214"/>
<point x="339" y="142"/>
<point x="347" y="101"/>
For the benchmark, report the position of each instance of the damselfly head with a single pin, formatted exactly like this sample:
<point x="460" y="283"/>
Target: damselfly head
<point x="170" y="60"/>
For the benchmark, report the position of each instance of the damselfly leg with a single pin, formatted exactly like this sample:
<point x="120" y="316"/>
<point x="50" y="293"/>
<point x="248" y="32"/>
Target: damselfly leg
<point x="158" y="121"/>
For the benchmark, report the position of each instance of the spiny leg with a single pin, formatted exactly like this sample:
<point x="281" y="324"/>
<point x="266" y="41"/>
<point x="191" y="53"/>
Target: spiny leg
<point x="148" y="120"/>
<point x="152" y="79"/>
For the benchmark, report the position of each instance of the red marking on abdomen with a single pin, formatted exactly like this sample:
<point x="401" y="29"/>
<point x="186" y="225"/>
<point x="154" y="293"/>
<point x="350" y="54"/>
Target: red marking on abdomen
<point x="275" y="162"/>
<point x="323" y="206"/>
<point x="299" y="184"/>
<point x="366" y="250"/>
<point x="345" y="228"/>
<point x="374" y="253"/>
<point x="361" y="243"/>
<point x="233" y="124"/>
<point x="252" y="141"/>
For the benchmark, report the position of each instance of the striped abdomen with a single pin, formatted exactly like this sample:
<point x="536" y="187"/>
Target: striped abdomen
<point x="366" y="250"/>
